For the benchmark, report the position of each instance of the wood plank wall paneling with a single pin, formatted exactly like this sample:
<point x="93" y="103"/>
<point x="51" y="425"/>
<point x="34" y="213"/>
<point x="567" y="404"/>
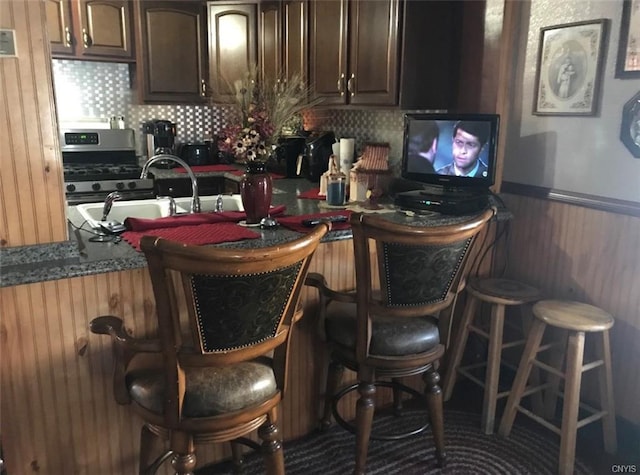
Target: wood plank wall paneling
<point x="57" y="405"/>
<point x="32" y="203"/>
<point x="576" y="253"/>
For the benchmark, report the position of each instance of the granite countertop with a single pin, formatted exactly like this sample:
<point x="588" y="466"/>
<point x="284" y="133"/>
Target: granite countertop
<point x="79" y="256"/>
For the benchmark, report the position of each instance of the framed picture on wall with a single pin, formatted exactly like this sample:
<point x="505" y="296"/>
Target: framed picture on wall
<point x="628" y="63"/>
<point x="569" y="68"/>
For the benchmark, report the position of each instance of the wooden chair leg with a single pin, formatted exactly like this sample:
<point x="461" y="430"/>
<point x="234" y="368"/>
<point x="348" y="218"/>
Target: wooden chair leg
<point x="183" y="460"/>
<point x="522" y="375"/>
<point x="237" y="457"/>
<point x="459" y="344"/>
<point x="571" y="404"/>
<point x="365" y="408"/>
<point x="397" y="397"/>
<point x="606" y="395"/>
<point x="334" y="377"/>
<point x="492" y="378"/>
<point x="272" y="444"/>
<point x="537" y="400"/>
<point x="436" y="413"/>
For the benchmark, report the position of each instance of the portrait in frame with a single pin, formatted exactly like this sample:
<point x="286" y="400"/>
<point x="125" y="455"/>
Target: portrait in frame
<point x="628" y="63"/>
<point x="569" y="68"/>
<point x="630" y="125"/>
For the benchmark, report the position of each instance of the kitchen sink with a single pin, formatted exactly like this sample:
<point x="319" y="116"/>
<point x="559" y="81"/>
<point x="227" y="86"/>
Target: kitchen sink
<point x="152" y="209"/>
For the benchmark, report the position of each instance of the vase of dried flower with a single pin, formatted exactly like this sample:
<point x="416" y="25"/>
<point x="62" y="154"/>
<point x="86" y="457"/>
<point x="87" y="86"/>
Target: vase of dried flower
<point x="255" y="191"/>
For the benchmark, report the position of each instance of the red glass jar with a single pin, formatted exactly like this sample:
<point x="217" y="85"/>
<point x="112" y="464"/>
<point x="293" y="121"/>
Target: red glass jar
<point x="255" y="191"/>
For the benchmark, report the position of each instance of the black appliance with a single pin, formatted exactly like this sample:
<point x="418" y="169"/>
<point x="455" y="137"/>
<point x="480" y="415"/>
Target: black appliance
<point x="99" y="161"/>
<point x="198" y="153"/>
<point x="286" y="156"/>
<point x="318" y="149"/>
<point x="161" y="137"/>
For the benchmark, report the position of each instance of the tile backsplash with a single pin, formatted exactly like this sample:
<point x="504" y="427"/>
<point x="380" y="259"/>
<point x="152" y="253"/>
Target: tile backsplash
<point x="92" y="89"/>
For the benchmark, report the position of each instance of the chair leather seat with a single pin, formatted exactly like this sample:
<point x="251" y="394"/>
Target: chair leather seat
<point x="210" y="391"/>
<point x="395" y="336"/>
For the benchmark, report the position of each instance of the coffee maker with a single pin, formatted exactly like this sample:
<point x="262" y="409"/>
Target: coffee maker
<point x="161" y="136"/>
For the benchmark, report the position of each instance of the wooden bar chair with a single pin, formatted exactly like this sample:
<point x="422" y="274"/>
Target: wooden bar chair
<point x="578" y="319"/>
<point x="217" y="370"/>
<point x="499" y="293"/>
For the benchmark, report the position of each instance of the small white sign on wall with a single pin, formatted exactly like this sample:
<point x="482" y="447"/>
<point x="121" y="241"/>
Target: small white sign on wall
<point x="8" y="44"/>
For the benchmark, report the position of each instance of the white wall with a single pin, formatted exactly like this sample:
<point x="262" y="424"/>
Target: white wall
<point x="574" y="154"/>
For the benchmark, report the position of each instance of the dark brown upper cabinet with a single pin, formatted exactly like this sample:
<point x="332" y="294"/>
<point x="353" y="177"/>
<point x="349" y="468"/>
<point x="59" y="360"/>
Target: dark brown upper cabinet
<point x="172" y="54"/>
<point x="233" y="46"/>
<point x="354" y="48"/>
<point x="283" y="39"/>
<point x="90" y="29"/>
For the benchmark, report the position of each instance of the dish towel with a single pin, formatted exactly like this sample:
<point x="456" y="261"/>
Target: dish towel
<point x="295" y="222"/>
<point x="312" y="194"/>
<point x="207" y="168"/>
<point x="196" y="235"/>
<point x="192" y="219"/>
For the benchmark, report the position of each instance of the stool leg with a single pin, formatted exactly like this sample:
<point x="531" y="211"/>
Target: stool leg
<point x="458" y="346"/>
<point x="522" y="375"/>
<point x="365" y="407"/>
<point x="556" y="360"/>
<point x="537" y="400"/>
<point x="492" y="378"/>
<point x="334" y="376"/>
<point x="606" y="396"/>
<point x="571" y="404"/>
<point x="436" y="413"/>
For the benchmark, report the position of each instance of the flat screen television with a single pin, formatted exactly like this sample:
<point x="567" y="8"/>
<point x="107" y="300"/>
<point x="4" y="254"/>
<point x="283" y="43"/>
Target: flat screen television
<point x="452" y="151"/>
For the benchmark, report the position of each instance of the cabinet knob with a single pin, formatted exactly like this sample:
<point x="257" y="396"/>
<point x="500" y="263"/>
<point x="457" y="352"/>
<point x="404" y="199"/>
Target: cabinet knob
<point x="203" y="87"/>
<point x="350" y="83"/>
<point x="86" y="39"/>
<point x="67" y="36"/>
<point x="341" y="84"/>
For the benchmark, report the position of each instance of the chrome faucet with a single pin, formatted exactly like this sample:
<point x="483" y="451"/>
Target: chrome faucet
<point x="195" y="198"/>
<point x="108" y="203"/>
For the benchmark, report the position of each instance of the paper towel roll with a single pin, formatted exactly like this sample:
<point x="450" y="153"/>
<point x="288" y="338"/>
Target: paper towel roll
<point x="347" y="147"/>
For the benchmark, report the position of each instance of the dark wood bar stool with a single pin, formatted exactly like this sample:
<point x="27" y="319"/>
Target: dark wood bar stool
<point x="499" y="293"/>
<point x="578" y="319"/>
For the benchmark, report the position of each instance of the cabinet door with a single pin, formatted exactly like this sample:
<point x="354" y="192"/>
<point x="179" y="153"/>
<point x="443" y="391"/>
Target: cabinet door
<point x="233" y="31"/>
<point x="60" y="27"/>
<point x="105" y="28"/>
<point x="296" y="58"/>
<point x="328" y="50"/>
<point x="270" y="41"/>
<point x="171" y="51"/>
<point x="373" y="52"/>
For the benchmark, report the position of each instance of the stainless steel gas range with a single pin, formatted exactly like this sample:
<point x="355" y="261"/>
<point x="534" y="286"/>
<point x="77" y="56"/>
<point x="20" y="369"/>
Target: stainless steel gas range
<point x="99" y="161"/>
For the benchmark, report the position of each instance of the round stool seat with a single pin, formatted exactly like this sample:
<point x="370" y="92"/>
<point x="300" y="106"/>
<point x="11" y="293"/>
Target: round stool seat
<point x="574" y="316"/>
<point x="502" y="291"/>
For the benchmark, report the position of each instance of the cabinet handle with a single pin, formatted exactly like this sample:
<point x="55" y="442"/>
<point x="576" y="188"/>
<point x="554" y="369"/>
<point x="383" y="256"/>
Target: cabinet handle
<point x="350" y="82"/>
<point x="341" y="84"/>
<point x="203" y="88"/>
<point x="67" y="36"/>
<point x="86" y="39"/>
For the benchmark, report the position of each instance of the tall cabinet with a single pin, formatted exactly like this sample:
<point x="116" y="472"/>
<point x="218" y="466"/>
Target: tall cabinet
<point x="354" y="47"/>
<point x="172" y="59"/>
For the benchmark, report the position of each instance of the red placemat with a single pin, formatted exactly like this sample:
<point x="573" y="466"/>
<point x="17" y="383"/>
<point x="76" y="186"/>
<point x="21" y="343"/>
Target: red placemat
<point x="192" y="219"/>
<point x="295" y="222"/>
<point x="207" y="168"/>
<point x="195" y="235"/>
<point x="312" y="194"/>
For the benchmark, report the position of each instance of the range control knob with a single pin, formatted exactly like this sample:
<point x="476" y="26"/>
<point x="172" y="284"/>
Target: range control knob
<point x="132" y="185"/>
<point x="119" y="186"/>
<point x="95" y="186"/>
<point x="71" y="187"/>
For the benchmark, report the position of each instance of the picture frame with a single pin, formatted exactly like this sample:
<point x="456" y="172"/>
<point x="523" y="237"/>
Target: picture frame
<point x="628" y="62"/>
<point x="569" y="68"/>
<point x="630" y="125"/>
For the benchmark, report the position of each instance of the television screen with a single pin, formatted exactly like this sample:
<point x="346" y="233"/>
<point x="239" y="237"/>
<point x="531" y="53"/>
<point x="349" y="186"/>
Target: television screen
<point x="450" y="150"/>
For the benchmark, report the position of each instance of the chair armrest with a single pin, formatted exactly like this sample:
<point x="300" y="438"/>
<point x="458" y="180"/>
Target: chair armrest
<point x="318" y="281"/>
<point x="124" y="349"/>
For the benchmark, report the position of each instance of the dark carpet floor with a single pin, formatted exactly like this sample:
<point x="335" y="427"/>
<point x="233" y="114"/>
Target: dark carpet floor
<point x="469" y="451"/>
